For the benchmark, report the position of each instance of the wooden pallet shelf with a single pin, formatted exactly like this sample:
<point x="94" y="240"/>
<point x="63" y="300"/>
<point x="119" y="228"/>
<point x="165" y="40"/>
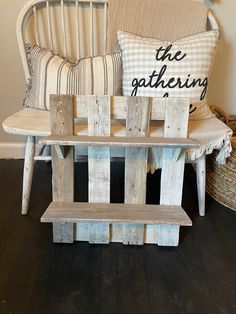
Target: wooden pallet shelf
<point x="133" y="222"/>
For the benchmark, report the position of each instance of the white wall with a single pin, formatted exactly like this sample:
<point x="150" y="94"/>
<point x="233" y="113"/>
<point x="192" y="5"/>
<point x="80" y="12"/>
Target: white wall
<point x="12" y="83"/>
<point x="222" y="90"/>
<point x="223" y="81"/>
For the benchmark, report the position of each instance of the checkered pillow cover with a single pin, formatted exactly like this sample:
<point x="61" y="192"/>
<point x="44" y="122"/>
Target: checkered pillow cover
<point x="163" y="69"/>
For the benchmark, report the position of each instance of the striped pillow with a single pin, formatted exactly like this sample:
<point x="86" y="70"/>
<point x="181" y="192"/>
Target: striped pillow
<point x="51" y="74"/>
<point x="180" y="69"/>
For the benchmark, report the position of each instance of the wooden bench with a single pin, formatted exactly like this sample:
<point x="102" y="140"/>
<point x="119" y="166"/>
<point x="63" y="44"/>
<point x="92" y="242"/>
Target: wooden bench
<point x="133" y="222"/>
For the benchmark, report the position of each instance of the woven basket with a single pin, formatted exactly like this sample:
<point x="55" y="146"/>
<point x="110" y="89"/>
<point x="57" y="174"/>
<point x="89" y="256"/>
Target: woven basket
<point x="229" y="119"/>
<point x="221" y="179"/>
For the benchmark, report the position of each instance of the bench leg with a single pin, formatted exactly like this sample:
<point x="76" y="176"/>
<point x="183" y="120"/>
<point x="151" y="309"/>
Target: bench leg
<point x="201" y="183"/>
<point x="28" y="172"/>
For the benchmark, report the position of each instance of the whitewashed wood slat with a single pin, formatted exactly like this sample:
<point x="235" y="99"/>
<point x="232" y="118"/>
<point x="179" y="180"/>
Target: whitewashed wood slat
<point x="62" y="169"/>
<point x="137" y="124"/>
<point x="168" y="235"/>
<point x="176" y="124"/>
<point x="99" y="164"/>
<point x="113" y="212"/>
<point x="63" y="232"/>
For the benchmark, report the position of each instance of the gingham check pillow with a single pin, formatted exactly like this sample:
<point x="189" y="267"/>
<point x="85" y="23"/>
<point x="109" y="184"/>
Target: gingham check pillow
<point x="162" y="69"/>
<point x="51" y="74"/>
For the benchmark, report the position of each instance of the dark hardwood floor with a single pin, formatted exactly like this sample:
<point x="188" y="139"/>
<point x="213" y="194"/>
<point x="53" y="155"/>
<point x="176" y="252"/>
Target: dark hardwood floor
<point x="39" y="277"/>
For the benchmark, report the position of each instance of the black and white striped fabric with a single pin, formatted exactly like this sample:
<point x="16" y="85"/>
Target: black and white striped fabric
<point x="162" y="69"/>
<point x="51" y="74"/>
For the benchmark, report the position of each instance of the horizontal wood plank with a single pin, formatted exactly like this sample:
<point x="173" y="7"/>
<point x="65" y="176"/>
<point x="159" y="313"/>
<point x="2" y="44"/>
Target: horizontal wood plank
<point x="119" y="105"/>
<point x="74" y="140"/>
<point x="115" y="213"/>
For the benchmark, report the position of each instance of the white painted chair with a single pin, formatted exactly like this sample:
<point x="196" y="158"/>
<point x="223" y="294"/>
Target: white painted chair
<point x="48" y="24"/>
<point x="38" y="23"/>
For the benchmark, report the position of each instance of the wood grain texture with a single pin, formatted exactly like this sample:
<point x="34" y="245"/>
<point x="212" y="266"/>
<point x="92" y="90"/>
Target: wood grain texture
<point x="137" y="125"/>
<point x="176" y="124"/>
<point x="99" y="164"/>
<point x="62" y="169"/>
<point x="119" y="213"/>
<point x="129" y="141"/>
<point x="119" y="106"/>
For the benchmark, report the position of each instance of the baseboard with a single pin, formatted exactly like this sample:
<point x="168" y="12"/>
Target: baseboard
<point x="17" y="151"/>
<point x="12" y="150"/>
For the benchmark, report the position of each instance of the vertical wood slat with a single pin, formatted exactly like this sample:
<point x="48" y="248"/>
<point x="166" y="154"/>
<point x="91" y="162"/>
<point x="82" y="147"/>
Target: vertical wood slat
<point x="99" y="164"/>
<point x="91" y="28"/>
<point x="62" y="123"/>
<point x="137" y="124"/>
<point x="49" y="22"/>
<point x="63" y="28"/>
<point x="105" y="28"/>
<point x="176" y="125"/>
<point x="36" y="26"/>
<point x="77" y="29"/>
